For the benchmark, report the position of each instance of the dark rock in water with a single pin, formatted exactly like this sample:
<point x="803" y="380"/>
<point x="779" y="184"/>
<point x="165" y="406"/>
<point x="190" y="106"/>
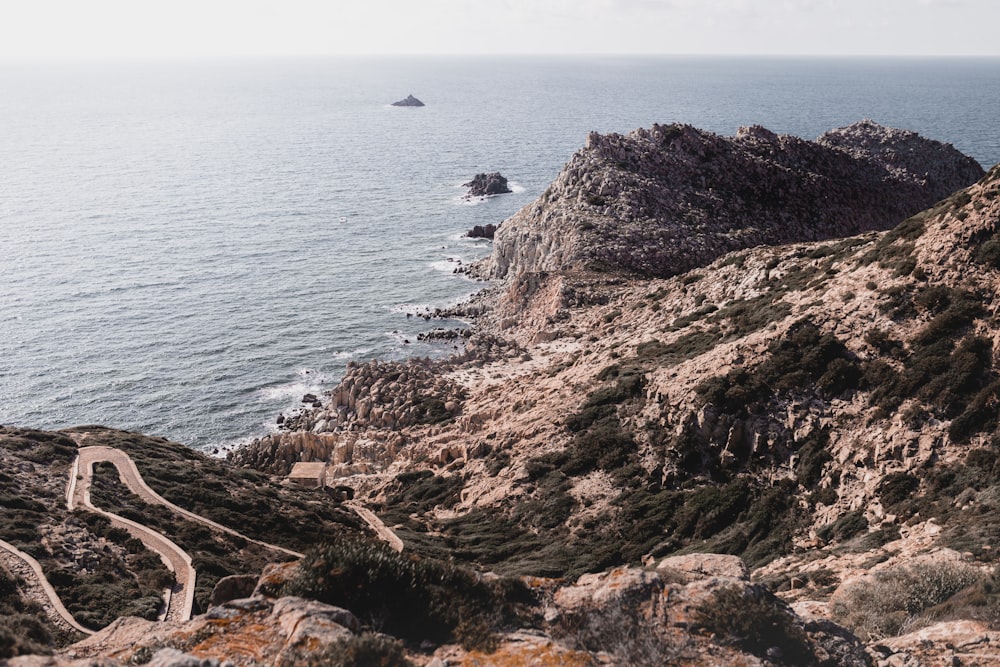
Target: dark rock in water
<point x="309" y="398"/>
<point x="482" y="232"/>
<point x="410" y="101"/>
<point x="484" y="185"/>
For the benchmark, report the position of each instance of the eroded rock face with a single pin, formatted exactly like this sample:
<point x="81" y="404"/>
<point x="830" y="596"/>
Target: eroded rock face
<point x="662" y="201"/>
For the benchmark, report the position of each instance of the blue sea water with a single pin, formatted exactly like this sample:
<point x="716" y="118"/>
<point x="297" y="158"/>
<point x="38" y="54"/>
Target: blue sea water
<point x="188" y="247"/>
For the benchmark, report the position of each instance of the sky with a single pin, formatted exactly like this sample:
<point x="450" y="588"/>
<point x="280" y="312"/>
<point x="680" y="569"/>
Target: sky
<point x="140" y="29"/>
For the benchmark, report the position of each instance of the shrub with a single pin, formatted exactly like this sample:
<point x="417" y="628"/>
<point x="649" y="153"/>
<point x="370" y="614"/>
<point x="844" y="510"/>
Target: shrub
<point x="845" y="527"/>
<point x="754" y="620"/>
<point x="623" y="632"/>
<point x="364" y="650"/>
<point x="404" y="595"/>
<point x="897" y="487"/>
<point x="891" y="601"/>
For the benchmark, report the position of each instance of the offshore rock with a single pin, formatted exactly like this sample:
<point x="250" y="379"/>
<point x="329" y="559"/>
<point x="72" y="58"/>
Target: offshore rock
<point x="409" y="101"/>
<point x="486" y="185"/>
<point x="482" y="231"/>
<point x="662" y="201"/>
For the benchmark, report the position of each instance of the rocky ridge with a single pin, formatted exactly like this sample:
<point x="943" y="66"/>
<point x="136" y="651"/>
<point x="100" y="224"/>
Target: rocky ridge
<point x="634" y="616"/>
<point x="819" y="415"/>
<point x="824" y="410"/>
<point x="665" y="200"/>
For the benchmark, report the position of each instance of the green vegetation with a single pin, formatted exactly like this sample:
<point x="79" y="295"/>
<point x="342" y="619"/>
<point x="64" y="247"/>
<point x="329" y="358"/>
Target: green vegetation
<point x="411" y="597"/>
<point x="804" y="360"/>
<point x="127" y="581"/>
<point x="23" y="627"/>
<point x="900" y="599"/>
<point x="96" y="585"/>
<point x="245" y="500"/>
<point x="213" y="554"/>
<point x="945" y="368"/>
<point x="755" y="621"/>
<point x="963" y="498"/>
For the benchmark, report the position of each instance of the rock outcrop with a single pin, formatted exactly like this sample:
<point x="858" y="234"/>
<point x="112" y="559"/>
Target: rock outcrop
<point x="822" y="410"/>
<point x="482" y="231"/>
<point x="627" y="616"/>
<point x="358" y="427"/>
<point x="408" y="101"/>
<point x="662" y="201"/>
<point x="487" y="185"/>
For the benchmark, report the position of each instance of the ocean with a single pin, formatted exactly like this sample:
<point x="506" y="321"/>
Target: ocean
<point x="186" y="248"/>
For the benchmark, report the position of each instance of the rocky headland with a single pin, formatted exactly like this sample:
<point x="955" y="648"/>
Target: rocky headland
<point x="775" y="444"/>
<point x="661" y="201"/>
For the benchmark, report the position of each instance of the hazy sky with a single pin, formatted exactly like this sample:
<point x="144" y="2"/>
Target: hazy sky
<point x="184" y="28"/>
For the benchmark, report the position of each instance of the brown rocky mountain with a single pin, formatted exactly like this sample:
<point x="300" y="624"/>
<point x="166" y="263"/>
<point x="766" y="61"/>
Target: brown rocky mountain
<point x="663" y="201"/>
<point x="822" y="416"/>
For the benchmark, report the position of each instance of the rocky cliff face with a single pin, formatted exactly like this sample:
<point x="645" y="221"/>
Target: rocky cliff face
<point x="821" y="416"/>
<point x="665" y="200"/>
<point x="825" y="410"/>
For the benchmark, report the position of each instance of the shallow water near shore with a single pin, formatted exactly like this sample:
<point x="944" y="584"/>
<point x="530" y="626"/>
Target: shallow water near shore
<point x="187" y="248"/>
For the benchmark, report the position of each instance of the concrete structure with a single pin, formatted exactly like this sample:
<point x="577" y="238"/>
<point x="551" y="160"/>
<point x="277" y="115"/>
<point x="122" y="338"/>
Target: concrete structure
<point x="311" y="474"/>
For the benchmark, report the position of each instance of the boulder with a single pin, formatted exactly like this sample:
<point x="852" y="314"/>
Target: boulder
<point x="233" y="587"/>
<point x="482" y="231"/>
<point x="707" y="565"/>
<point x="311" y="623"/>
<point x="171" y="657"/>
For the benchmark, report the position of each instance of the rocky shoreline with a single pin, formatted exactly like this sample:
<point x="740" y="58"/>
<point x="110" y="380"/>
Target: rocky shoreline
<point x="786" y="455"/>
<point x="618" y="391"/>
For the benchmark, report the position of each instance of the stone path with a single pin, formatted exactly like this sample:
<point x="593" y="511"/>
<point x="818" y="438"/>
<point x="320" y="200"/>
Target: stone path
<point x="383" y="531"/>
<point x="179" y="600"/>
<point x="38" y="588"/>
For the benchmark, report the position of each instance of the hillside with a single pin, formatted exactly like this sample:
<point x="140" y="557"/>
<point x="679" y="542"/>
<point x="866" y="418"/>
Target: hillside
<point x="826" y="411"/>
<point x="788" y="455"/>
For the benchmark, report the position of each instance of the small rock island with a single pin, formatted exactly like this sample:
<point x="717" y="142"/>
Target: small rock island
<point x="410" y="101"/>
<point x="485" y="185"/>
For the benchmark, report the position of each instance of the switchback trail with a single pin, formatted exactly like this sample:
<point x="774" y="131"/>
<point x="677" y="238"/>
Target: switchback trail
<point x="180" y="599"/>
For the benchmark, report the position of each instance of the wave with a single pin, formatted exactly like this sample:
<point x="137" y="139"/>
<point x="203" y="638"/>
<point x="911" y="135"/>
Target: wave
<point x="448" y="265"/>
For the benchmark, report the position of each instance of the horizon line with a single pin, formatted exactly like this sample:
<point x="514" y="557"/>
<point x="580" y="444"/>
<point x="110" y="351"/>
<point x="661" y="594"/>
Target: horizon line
<point x="136" y="58"/>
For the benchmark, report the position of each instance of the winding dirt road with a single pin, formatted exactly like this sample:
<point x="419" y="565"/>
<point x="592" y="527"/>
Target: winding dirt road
<point x="179" y="600"/>
<point x="383" y="531"/>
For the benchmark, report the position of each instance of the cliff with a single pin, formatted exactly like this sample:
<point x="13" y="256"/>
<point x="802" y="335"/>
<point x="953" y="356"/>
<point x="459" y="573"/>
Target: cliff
<point x="824" y="410"/>
<point x="787" y="456"/>
<point x="666" y="200"/>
